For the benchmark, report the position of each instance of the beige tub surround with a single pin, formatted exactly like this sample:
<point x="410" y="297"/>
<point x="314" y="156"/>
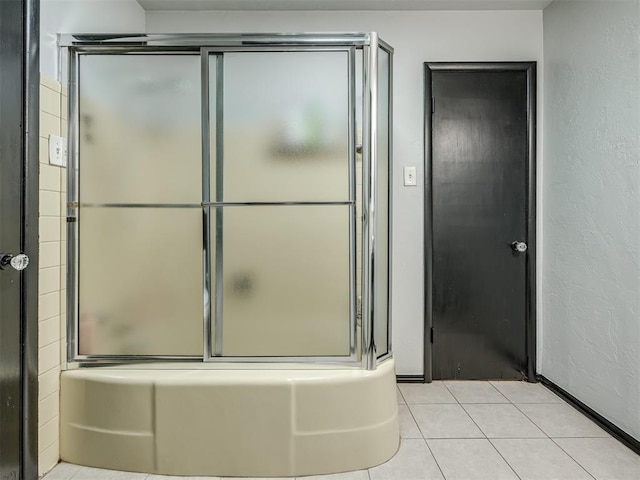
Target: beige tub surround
<point x="181" y="421"/>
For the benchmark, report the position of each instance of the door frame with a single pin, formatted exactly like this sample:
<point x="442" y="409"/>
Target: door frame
<point x="20" y="37"/>
<point x="530" y="300"/>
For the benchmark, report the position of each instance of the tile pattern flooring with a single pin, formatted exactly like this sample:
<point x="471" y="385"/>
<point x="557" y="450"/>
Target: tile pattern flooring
<point x="473" y="430"/>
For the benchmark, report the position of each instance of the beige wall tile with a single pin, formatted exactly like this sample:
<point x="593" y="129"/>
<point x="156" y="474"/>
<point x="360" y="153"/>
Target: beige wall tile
<point x="48" y="458"/>
<point x="64" y="107"/>
<point x="49" y="125"/>
<point x="48" y="408"/>
<point x="51" y="277"/>
<point x="48" y="382"/>
<point x="48" y="331"/>
<point x="48" y="305"/>
<point x="48" y="434"/>
<point x="50" y="83"/>
<point x="50" y="229"/>
<point x="63" y="128"/>
<point x="63" y="253"/>
<point x="49" y="203"/>
<point x="63" y="278"/>
<point x="49" y="101"/>
<point x="63" y="179"/>
<point x="63" y="301"/>
<point x="49" y="254"/>
<point x="43" y="151"/>
<point x="49" y="178"/>
<point x="49" y="357"/>
<point x="48" y="280"/>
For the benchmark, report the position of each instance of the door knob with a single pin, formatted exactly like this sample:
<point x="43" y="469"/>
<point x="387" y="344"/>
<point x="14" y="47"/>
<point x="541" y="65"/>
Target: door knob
<point x="18" y="262"/>
<point x="519" y="247"/>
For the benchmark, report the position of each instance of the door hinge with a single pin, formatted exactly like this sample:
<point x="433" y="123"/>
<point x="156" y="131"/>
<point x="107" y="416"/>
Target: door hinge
<point x="431" y="334"/>
<point x="433" y="105"/>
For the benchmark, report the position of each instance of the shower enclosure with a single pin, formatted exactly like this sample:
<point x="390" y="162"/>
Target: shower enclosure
<point x="228" y="198"/>
<point x="228" y="222"/>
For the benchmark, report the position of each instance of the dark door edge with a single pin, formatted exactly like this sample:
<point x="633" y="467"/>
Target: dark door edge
<point x="30" y="236"/>
<point x="609" y="427"/>
<point x="410" y="378"/>
<point x="530" y="69"/>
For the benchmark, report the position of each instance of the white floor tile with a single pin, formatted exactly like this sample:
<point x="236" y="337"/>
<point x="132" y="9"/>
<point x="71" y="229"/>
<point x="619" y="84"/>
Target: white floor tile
<point x="359" y="475"/>
<point x="524" y="392"/>
<point x="444" y="421"/>
<point x="400" y="397"/>
<point x="539" y="459"/>
<point x="408" y="426"/>
<point x="172" y="477"/>
<point x="62" y="471"/>
<point x="434" y="392"/>
<point x="475" y="392"/>
<point x="412" y="462"/>
<point x="470" y="459"/>
<point x="561" y="420"/>
<point x="89" y="473"/>
<point x="502" y="421"/>
<point x="604" y="458"/>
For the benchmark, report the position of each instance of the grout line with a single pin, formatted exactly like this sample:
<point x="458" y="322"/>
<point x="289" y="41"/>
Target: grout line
<point x="400" y="392"/>
<point x="569" y="455"/>
<point x="531" y="420"/>
<point x="451" y="393"/>
<point x="505" y="460"/>
<point x="435" y="459"/>
<point x="416" y="422"/>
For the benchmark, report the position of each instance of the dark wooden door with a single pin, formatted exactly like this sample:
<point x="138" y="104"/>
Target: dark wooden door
<point x="479" y="189"/>
<point x="18" y="235"/>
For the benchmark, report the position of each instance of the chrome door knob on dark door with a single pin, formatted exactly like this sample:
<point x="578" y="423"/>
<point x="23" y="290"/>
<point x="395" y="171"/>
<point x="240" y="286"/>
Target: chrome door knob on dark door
<point x="18" y="262"/>
<point x="519" y="247"/>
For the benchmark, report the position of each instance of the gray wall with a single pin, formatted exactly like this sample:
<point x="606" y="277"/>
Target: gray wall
<point x="417" y="37"/>
<point x="591" y="263"/>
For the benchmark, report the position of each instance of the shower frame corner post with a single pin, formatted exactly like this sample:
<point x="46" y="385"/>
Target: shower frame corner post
<point x="389" y="49"/>
<point x="353" y="283"/>
<point x="206" y="209"/>
<point x="369" y="149"/>
<point x="73" y="202"/>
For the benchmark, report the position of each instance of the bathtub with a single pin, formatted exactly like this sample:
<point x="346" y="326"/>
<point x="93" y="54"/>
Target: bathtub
<point x="197" y="419"/>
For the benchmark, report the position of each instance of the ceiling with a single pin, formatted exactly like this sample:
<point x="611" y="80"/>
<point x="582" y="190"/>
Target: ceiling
<point x="344" y="4"/>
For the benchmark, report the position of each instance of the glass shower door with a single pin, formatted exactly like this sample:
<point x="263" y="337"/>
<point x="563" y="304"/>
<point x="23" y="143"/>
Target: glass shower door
<point x="139" y="239"/>
<point x="282" y="203"/>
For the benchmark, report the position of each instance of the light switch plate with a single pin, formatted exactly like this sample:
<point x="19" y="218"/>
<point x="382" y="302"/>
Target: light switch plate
<point x="57" y="151"/>
<point x="410" y="177"/>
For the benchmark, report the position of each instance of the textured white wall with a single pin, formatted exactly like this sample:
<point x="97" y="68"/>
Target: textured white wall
<point x="83" y="16"/>
<point x="591" y="284"/>
<point x="417" y="37"/>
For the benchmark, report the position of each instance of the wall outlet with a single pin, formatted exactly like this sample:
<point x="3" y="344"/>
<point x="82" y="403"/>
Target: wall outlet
<point x="57" y="151"/>
<point x="410" y="177"/>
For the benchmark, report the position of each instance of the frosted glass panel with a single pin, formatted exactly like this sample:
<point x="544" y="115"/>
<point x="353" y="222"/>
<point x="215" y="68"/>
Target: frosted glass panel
<point x="381" y="279"/>
<point x="286" y="281"/>
<point x="286" y="126"/>
<point x="140" y="277"/>
<point x="140" y="133"/>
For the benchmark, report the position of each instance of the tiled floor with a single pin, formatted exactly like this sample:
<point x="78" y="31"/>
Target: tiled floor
<point x="473" y="430"/>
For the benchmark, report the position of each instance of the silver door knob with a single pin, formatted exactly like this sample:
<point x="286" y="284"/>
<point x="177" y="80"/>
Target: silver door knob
<point x="519" y="247"/>
<point x="18" y="262"/>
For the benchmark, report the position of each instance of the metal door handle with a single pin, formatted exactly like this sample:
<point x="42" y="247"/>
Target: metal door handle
<point x="519" y="247"/>
<point x="18" y="262"/>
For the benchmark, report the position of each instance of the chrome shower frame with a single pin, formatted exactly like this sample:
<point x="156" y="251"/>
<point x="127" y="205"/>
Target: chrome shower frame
<point x="72" y="46"/>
